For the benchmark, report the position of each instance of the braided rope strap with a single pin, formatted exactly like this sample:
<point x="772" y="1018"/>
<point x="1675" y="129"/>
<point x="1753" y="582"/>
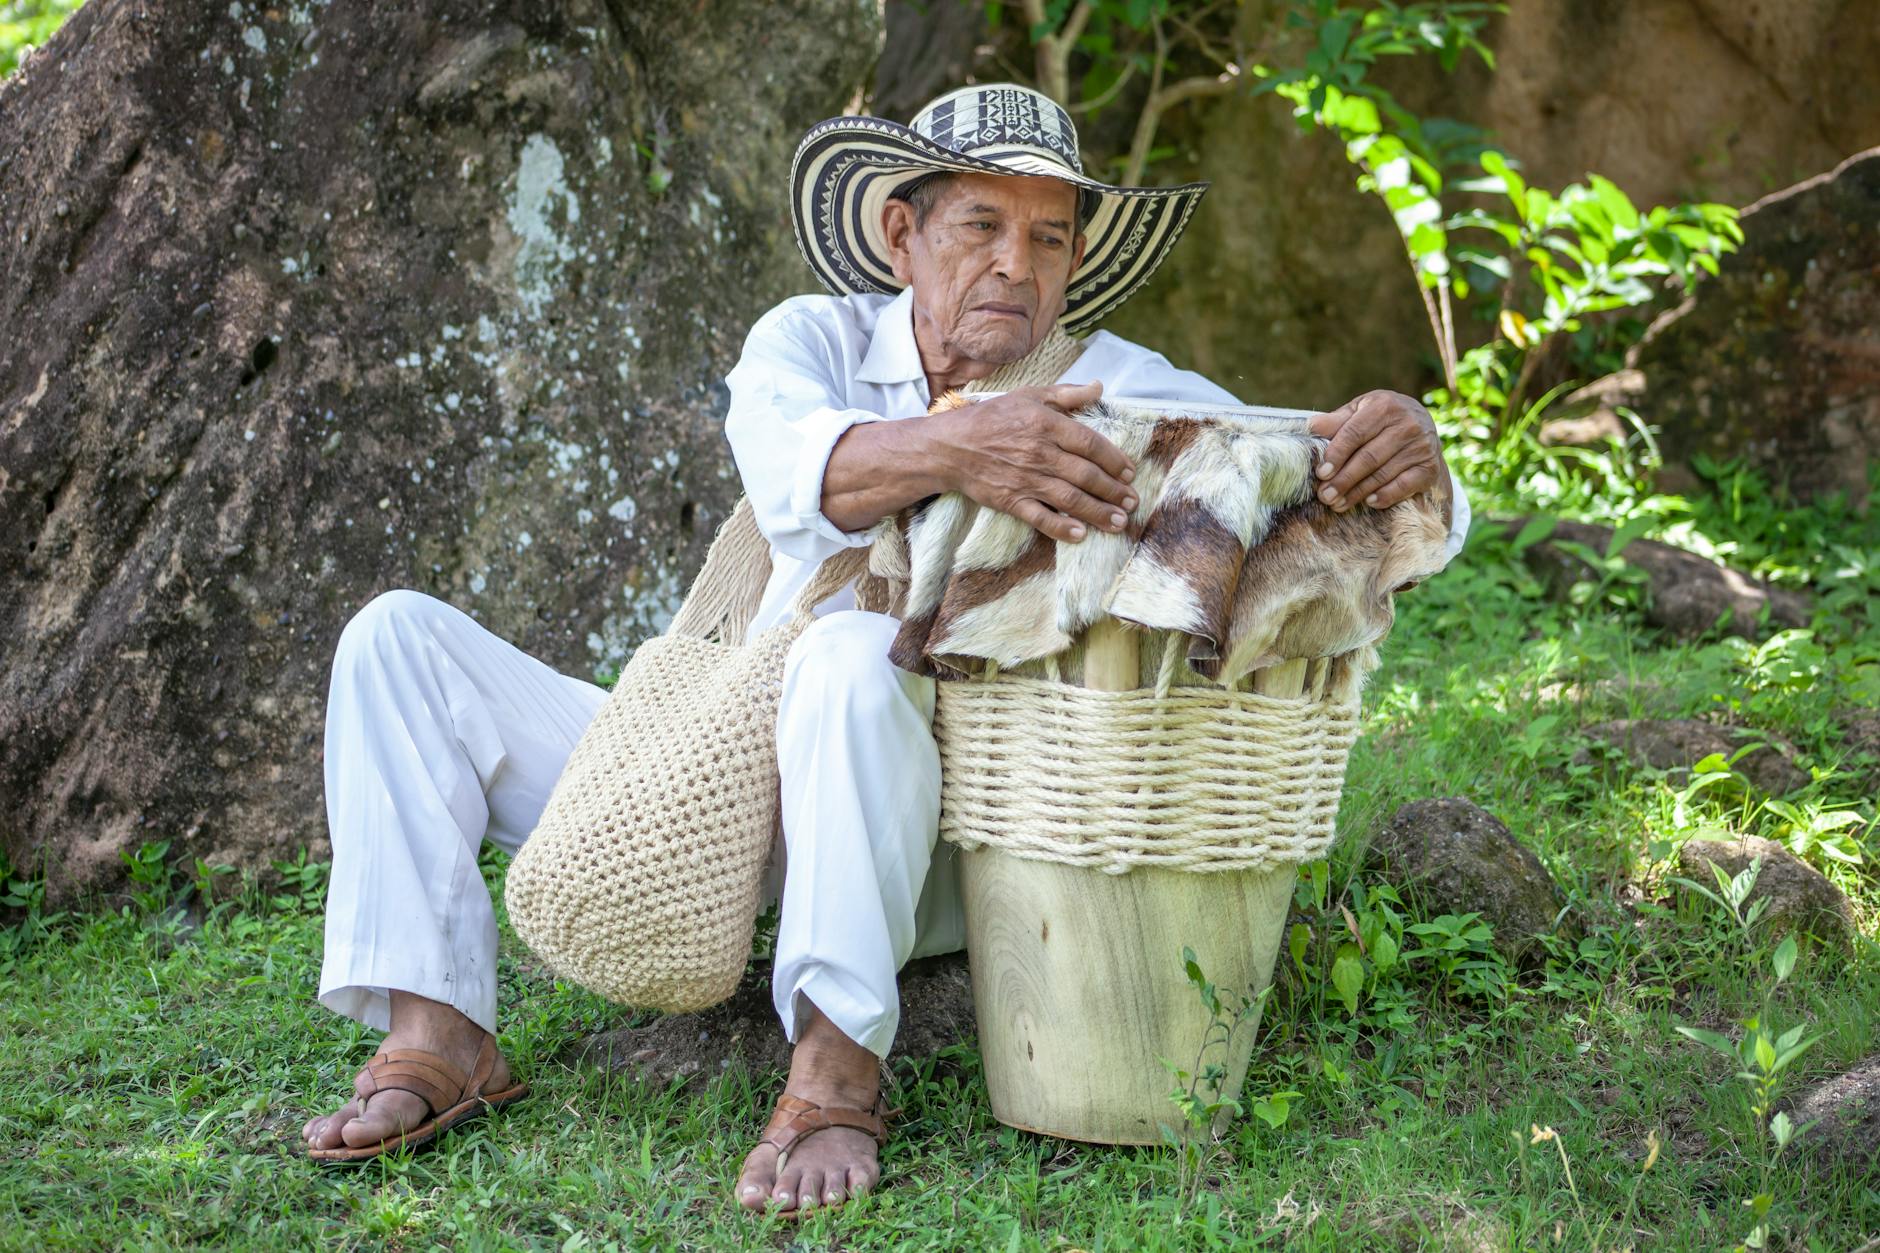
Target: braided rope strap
<point x="1201" y="779"/>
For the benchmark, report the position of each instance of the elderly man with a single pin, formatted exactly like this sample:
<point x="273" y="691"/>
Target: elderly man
<point x="954" y="246"/>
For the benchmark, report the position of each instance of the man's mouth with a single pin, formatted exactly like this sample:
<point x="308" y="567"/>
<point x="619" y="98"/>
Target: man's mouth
<point x="1005" y="310"/>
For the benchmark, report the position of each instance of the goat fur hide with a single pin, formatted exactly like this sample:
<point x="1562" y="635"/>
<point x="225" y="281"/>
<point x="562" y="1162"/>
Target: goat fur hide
<point x="1227" y="544"/>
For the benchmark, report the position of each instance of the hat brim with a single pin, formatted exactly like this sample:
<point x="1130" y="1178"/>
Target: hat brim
<point x="846" y="168"/>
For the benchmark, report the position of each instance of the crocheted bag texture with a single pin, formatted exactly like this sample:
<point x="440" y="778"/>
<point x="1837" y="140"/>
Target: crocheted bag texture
<point x="641" y="880"/>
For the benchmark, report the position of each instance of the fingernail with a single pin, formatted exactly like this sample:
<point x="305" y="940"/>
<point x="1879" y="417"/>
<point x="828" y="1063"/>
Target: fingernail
<point x="1129" y="502"/>
<point x="1371" y="500"/>
<point x="1077" y="532"/>
<point x="1328" y="494"/>
<point x="1117" y="520"/>
<point x="1325" y="469"/>
<point x="1129" y="476"/>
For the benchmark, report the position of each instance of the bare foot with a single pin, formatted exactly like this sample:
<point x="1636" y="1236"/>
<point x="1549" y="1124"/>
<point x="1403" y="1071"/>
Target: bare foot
<point x="826" y="1168"/>
<point x="417" y="1023"/>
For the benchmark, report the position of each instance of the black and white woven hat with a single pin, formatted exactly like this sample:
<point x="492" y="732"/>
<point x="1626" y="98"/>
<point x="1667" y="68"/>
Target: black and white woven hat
<point x="847" y="167"/>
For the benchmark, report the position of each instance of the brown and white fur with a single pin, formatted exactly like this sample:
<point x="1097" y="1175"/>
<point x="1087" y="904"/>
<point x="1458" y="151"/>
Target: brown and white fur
<point x="1227" y="544"/>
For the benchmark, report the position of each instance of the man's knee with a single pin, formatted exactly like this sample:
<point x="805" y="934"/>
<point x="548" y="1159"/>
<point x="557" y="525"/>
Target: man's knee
<point x="840" y="661"/>
<point x="384" y="619"/>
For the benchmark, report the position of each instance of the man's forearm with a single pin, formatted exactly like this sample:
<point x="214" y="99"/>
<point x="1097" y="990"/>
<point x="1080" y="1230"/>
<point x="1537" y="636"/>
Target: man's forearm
<point x="875" y="469"/>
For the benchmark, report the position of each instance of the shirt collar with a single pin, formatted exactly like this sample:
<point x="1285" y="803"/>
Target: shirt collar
<point x="893" y="356"/>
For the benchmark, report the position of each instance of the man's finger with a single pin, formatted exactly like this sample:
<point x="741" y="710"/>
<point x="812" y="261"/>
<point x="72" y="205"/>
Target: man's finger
<point x="1076" y="438"/>
<point x="1089" y="476"/>
<point x="1068" y="498"/>
<point x="1405" y="485"/>
<point x="1370" y="489"/>
<point x="1366" y="418"/>
<point x="1071" y="396"/>
<point x="1372" y="455"/>
<point x="1326" y="424"/>
<point x="1048" y="521"/>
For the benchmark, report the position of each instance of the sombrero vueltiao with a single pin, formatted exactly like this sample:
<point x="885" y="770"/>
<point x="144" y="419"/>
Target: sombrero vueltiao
<point x="846" y="168"/>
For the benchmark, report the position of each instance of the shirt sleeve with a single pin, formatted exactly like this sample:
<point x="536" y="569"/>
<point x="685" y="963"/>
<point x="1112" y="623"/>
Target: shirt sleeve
<point x="785" y="416"/>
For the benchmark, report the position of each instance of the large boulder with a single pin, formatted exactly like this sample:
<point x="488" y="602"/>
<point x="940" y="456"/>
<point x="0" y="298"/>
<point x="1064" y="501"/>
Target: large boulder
<point x="1674" y="745"/>
<point x="1454" y="857"/>
<point x="305" y="302"/>
<point x="1845" y="1111"/>
<point x="1686" y="594"/>
<point x="1777" y="358"/>
<point x="1800" y="897"/>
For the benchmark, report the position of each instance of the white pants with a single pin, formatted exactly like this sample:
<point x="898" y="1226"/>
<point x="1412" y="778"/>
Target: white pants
<point x="440" y="734"/>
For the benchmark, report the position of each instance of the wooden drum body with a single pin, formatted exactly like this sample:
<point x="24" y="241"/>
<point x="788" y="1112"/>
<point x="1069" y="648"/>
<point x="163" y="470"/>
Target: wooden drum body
<point x="1078" y="980"/>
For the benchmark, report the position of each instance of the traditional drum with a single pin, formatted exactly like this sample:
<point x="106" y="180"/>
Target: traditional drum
<point x="1141" y="737"/>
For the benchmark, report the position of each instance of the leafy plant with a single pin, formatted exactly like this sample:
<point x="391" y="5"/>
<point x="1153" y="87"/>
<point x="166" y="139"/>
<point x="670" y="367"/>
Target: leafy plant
<point x="303" y="883"/>
<point x="1198" y="1092"/>
<point x="1763" y="1054"/>
<point x="1462" y="948"/>
<point x="151" y="875"/>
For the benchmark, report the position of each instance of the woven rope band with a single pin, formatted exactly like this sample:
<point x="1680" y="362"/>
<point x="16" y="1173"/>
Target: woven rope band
<point x="1202" y="779"/>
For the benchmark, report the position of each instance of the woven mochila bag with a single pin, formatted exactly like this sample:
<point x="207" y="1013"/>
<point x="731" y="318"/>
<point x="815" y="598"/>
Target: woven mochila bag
<point x="642" y="878"/>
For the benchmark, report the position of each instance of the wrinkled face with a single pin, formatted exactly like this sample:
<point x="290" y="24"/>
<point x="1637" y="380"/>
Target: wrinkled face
<point x="990" y="265"/>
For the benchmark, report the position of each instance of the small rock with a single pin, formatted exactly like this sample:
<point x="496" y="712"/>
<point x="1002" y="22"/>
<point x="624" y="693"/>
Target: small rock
<point x="1860" y="731"/>
<point x="1677" y="744"/>
<point x="1590" y="417"/>
<point x="1688" y="594"/>
<point x="1845" y="1109"/>
<point x="1455" y="857"/>
<point x="1800" y="897"/>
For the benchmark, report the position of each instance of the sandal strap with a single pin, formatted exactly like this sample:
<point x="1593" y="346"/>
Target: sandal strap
<point x="794" y="1118"/>
<point x="432" y="1079"/>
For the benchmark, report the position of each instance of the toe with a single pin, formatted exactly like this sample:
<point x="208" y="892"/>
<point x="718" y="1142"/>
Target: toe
<point x="862" y="1177"/>
<point x="832" y="1193"/>
<point x="388" y="1115"/>
<point x="786" y="1193"/>
<point x="324" y="1133"/>
<point x="758" y="1178"/>
<point x="809" y="1189"/>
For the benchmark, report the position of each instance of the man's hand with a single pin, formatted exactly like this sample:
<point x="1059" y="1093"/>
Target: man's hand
<point x="1022" y="454"/>
<point x="1384" y="449"/>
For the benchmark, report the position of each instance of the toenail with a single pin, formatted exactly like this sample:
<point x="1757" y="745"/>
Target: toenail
<point x="832" y="1197"/>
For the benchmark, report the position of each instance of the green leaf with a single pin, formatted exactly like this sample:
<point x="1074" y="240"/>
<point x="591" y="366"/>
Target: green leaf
<point x="1537" y="528"/>
<point x="1710" y="1039"/>
<point x="1784" y="960"/>
<point x="1348" y="976"/>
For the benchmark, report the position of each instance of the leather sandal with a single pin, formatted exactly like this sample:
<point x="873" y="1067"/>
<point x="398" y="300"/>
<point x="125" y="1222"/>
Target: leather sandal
<point x="449" y="1096"/>
<point x="795" y="1118"/>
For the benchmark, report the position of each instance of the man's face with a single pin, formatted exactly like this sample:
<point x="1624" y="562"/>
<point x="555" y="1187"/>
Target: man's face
<point x="990" y="266"/>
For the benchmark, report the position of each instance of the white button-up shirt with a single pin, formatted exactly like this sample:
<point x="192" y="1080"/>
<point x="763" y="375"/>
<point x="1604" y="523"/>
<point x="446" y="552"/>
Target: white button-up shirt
<point x="816" y="365"/>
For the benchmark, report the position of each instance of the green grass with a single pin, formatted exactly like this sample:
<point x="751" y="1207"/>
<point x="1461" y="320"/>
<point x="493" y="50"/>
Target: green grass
<point x="154" y="1072"/>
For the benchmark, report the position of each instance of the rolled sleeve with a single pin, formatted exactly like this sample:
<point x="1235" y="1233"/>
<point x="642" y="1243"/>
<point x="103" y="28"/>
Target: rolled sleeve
<point x="819" y="430"/>
<point x="786" y="414"/>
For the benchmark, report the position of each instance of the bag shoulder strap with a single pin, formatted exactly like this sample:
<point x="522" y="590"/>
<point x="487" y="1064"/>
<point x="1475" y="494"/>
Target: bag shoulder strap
<point x="724" y="597"/>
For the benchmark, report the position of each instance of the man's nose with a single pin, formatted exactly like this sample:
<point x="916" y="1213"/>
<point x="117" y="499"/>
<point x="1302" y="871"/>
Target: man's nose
<point x="1013" y="263"/>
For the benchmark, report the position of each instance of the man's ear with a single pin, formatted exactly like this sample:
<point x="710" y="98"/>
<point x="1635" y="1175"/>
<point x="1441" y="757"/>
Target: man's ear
<point x="1077" y="251"/>
<point x="897" y="230"/>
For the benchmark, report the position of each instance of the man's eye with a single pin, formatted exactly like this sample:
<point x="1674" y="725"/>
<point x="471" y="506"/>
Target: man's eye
<point x="976" y="225"/>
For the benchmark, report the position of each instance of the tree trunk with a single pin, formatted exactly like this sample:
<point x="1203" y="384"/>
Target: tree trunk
<point x="302" y="303"/>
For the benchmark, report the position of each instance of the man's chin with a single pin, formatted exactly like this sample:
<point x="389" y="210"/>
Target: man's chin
<point x="998" y="345"/>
